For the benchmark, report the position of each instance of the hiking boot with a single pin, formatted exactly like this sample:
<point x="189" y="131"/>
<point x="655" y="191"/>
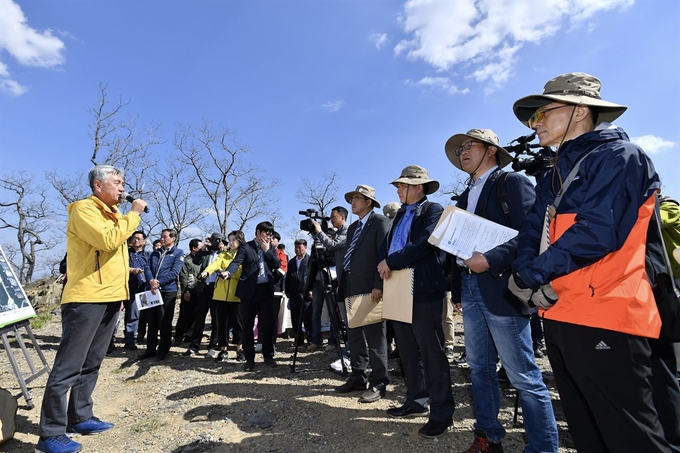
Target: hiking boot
<point x="482" y="444"/>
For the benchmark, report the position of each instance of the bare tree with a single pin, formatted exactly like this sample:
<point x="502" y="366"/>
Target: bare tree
<point x="29" y="213"/>
<point x="452" y="190"/>
<point x="237" y="191"/>
<point x="320" y="195"/>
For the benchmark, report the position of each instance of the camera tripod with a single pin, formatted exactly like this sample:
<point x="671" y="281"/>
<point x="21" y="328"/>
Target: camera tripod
<point x="320" y="263"/>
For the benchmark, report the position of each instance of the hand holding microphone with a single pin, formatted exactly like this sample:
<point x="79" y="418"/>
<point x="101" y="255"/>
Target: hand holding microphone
<point x="138" y="205"/>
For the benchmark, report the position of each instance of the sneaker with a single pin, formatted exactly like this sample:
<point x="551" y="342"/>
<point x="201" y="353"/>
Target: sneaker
<point x="240" y="356"/>
<point x="483" y="445"/>
<point x="222" y="356"/>
<point x="90" y="426"/>
<point x="337" y="365"/>
<point x="212" y="353"/>
<point x="449" y="353"/>
<point x="313" y="347"/>
<point x="258" y="347"/>
<point x="189" y="353"/>
<point x="58" y="444"/>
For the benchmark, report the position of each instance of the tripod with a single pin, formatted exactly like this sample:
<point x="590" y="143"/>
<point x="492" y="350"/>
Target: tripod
<point x="320" y="263"/>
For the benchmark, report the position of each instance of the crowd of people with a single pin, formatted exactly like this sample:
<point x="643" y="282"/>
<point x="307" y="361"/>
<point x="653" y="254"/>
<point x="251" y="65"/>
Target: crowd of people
<point x="577" y="265"/>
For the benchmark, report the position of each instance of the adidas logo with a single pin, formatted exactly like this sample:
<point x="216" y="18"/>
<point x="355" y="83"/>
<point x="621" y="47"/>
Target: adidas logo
<point x="602" y="345"/>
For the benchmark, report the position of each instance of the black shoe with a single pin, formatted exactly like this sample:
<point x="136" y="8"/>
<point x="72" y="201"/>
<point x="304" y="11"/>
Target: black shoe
<point x="394" y="354"/>
<point x="141" y="340"/>
<point x="352" y="384"/>
<point x="407" y="411"/>
<point x="177" y="342"/>
<point x="147" y="355"/>
<point x="189" y="353"/>
<point x="240" y="356"/>
<point x="482" y="445"/>
<point x="434" y="429"/>
<point x="249" y="366"/>
<point x="222" y="356"/>
<point x="373" y="394"/>
<point x="462" y="359"/>
<point x="112" y="347"/>
<point x="270" y="362"/>
<point x="130" y="346"/>
<point x="538" y="349"/>
<point x="161" y="356"/>
<point x="503" y="376"/>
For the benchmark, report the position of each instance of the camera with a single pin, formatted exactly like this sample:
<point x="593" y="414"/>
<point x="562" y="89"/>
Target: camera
<point x="308" y="223"/>
<point x="534" y="163"/>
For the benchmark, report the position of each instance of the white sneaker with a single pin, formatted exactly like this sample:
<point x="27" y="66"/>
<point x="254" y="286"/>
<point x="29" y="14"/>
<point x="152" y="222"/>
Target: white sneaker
<point x="258" y="347"/>
<point x="337" y="366"/>
<point x="213" y="353"/>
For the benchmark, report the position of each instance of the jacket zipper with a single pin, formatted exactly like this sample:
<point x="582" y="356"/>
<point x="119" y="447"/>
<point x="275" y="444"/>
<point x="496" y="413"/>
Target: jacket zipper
<point x="96" y="266"/>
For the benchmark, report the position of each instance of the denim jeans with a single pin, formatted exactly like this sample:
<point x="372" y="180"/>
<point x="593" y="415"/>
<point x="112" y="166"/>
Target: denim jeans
<point x="487" y="337"/>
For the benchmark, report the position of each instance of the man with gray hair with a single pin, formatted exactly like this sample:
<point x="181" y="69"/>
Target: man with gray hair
<point x="98" y="270"/>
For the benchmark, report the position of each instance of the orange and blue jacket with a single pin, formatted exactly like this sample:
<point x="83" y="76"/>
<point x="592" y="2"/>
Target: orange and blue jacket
<point x="596" y="257"/>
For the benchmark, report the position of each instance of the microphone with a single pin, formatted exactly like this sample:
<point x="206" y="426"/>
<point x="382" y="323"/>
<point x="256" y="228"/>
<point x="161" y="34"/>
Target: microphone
<point x="130" y="199"/>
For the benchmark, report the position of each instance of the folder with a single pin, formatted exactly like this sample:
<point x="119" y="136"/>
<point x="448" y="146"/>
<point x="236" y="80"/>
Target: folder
<point x="398" y="296"/>
<point x="362" y="311"/>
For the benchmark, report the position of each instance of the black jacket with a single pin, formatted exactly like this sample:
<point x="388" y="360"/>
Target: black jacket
<point x="247" y="256"/>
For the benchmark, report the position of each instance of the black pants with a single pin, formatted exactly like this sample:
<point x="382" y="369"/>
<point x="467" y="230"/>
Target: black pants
<point x="298" y="306"/>
<point x="666" y="390"/>
<point x="259" y="305"/>
<point x="205" y="305"/>
<point x="160" y="320"/>
<point x="86" y="330"/>
<point x="227" y="317"/>
<point x="187" y="315"/>
<point x="604" y="380"/>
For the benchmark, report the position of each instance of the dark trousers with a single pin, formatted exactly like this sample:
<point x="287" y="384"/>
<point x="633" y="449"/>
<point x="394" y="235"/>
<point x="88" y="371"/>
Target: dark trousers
<point x="160" y="320"/>
<point x="86" y="330"/>
<point x="298" y="306"/>
<point x="187" y="315"/>
<point x="261" y="306"/>
<point x="205" y="305"/>
<point x="276" y="308"/>
<point x="227" y="317"/>
<point x="141" y="325"/>
<point x="604" y="380"/>
<point x="367" y="344"/>
<point x="536" y="328"/>
<point x="424" y="362"/>
<point x="666" y="390"/>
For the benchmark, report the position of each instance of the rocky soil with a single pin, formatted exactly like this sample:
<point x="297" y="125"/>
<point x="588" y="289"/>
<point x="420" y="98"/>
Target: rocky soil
<point x="194" y="405"/>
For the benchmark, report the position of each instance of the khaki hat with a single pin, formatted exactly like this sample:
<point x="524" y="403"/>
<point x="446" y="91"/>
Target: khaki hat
<point x="483" y="135"/>
<point x="366" y="191"/>
<point x="573" y="88"/>
<point x="414" y="175"/>
<point x="390" y="209"/>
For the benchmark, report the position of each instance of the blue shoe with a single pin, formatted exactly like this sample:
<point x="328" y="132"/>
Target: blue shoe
<point x="90" y="426"/>
<point x="57" y="444"/>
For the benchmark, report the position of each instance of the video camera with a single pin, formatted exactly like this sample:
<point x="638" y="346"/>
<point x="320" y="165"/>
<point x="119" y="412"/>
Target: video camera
<point x="308" y="223"/>
<point x="534" y="163"/>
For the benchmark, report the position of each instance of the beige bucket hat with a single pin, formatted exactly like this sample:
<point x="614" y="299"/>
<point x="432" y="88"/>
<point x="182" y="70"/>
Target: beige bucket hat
<point x="390" y="209"/>
<point x="483" y="135"/>
<point x="414" y="175"/>
<point x="572" y="88"/>
<point x="366" y="191"/>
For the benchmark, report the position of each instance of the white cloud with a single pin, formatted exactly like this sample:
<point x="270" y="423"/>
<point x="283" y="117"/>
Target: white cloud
<point x="27" y="45"/>
<point x="440" y="83"/>
<point x="483" y="36"/>
<point x="333" y="106"/>
<point x="652" y="144"/>
<point x="378" y="39"/>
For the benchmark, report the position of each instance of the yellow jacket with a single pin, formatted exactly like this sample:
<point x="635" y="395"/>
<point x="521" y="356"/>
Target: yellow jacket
<point x="97" y="266"/>
<point x="225" y="290"/>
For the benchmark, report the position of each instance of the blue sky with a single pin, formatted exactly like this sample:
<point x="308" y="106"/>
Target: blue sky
<point x="363" y="88"/>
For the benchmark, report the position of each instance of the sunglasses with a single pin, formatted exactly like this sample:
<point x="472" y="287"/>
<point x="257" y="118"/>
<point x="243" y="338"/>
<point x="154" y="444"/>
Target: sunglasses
<point x="464" y="147"/>
<point x="540" y="113"/>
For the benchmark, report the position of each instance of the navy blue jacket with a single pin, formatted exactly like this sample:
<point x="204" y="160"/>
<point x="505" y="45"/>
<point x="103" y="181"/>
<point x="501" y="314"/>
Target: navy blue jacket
<point x="611" y="185"/>
<point x="170" y="262"/>
<point x="493" y="284"/>
<point x="429" y="283"/>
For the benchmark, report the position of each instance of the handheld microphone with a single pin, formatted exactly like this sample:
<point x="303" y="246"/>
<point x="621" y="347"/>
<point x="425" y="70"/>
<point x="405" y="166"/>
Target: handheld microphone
<point x="130" y="199"/>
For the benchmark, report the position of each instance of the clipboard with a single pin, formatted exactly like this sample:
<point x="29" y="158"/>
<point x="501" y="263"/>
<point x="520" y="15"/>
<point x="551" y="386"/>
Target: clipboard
<point x="398" y="296"/>
<point x="362" y="311"/>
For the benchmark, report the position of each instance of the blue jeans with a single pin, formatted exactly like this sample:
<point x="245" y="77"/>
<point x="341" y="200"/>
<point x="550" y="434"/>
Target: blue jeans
<point x="487" y="337"/>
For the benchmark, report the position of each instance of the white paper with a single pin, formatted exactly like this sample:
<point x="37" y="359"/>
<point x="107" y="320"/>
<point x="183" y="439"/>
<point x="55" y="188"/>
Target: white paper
<point x="461" y="233"/>
<point x="147" y="300"/>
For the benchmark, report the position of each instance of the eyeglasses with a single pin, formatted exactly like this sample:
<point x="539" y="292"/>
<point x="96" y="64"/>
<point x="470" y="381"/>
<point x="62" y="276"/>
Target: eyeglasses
<point x="539" y="114"/>
<point x="356" y="198"/>
<point x="464" y="147"/>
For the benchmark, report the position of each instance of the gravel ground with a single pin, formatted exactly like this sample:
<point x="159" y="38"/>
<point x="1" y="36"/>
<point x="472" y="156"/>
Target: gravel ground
<point x="194" y="405"/>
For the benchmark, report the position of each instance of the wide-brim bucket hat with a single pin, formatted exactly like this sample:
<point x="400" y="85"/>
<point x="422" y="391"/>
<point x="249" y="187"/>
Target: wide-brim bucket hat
<point x="414" y="175"/>
<point x="576" y="88"/>
<point x="366" y="191"/>
<point x="483" y="135"/>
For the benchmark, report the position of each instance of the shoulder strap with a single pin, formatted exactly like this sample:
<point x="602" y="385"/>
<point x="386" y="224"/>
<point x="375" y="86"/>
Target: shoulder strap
<point x="502" y="193"/>
<point x="572" y="175"/>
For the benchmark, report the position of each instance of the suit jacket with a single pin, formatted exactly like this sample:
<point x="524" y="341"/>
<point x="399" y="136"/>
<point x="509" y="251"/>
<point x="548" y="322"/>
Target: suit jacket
<point x="247" y="257"/>
<point x="493" y="284"/>
<point x="362" y="276"/>
<point x="296" y="283"/>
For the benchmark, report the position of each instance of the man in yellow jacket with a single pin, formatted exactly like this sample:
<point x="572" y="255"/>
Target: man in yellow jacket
<point x="97" y="270"/>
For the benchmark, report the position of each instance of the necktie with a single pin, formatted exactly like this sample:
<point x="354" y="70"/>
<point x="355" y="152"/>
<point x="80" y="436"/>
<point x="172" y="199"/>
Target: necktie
<point x="352" y="245"/>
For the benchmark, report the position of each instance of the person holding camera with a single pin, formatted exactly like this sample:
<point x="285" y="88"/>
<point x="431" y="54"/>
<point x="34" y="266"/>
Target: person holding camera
<point x="581" y="257"/>
<point x="496" y="323"/>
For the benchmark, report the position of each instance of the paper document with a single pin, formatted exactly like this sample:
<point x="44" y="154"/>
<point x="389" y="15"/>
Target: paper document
<point x="362" y="311"/>
<point x="147" y="300"/>
<point x="398" y="296"/>
<point x="460" y="233"/>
